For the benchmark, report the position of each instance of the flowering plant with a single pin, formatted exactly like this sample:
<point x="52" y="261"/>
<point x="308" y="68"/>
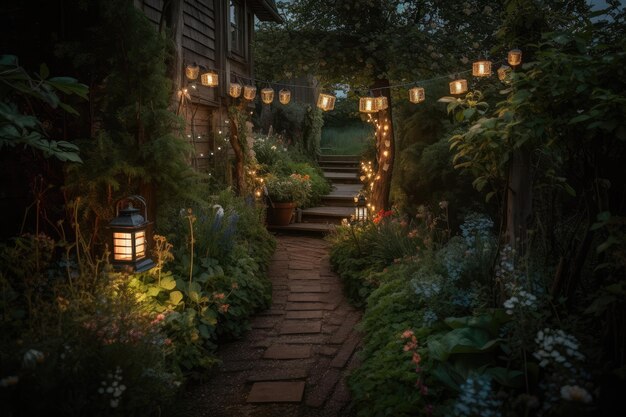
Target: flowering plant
<point x="294" y="188"/>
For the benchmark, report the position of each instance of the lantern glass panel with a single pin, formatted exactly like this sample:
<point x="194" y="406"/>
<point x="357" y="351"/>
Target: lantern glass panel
<point x="249" y="92"/>
<point x="209" y="79"/>
<point x="284" y="96"/>
<point x="234" y="90"/>
<point x="417" y="95"/>
<point x="140" y="244"/>
<point x="326" y="102"/>
<point x="458" y="87"/>
<point x="481" y="69"/>
<point x="123" y="246"/>
<point x="367" y="105"/>
<point x="514" y="57"/>
<point x="267" y="95"/>
<point x="381" y="103"/>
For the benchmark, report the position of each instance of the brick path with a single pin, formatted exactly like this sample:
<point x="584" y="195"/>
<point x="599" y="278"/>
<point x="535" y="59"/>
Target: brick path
<point x="294" y="361"/>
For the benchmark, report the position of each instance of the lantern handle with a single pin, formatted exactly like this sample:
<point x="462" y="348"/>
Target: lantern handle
<point x="133" y="197"/>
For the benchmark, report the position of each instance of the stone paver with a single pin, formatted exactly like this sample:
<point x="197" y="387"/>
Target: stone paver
<point x="276" y="392"/>
<point x="294" y="361"/>
<point x="287" y="352"/>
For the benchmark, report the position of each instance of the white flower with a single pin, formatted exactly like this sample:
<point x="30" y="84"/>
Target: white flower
<point x="114" y="403"/>
<point x="31" y="358"/>
<point x="576" y="394"/>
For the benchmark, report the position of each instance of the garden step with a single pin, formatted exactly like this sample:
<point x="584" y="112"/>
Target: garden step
<point x="338" y="201"/>
<point x="327" y="214"/>
<point x="342" y="177"/>
<point x="276" y="392"/>
<point x="347" y="169"/>
<point x="304" y="227"/>
<point x="325" y="158"/>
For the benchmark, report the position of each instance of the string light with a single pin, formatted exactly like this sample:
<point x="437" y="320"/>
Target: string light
<point x="326" y="102"/>
<point x="192" y="71"/>
<point x="267" y="95"/>
<point x="367" y="105"/>
<point x="503" y="73"/>
<point x="381" y="103"/>
<point x="249" y="92"/>
<point x="481" y="69"/>
<point x="234" y="90"/>
<point x="514" y="57"/>
<point x="209" y="79"/>
<point x="284" y="96"/>
<point x="417" y="95"/>
<point x="458" y="86"/>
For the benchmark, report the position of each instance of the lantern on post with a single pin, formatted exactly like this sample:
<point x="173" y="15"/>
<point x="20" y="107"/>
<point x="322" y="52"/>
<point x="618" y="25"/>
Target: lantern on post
<point x="249" y="92"/>
<point x="417" y="95"/>
<point x="234" y="90"/>
<point x="326" y="102"/>
<point x="481" y="69"/>
<point x="267" y="95"/>
<point x="209" y="79"/>
<point x="128" y="231"/>
<point x="514" y="57"/>
<point x="360" y="208"/>
<point x="367" y="105"/>
<point x="381" y="103"/>
<point x="284" y="96"/>
<point x="458" y="86"/>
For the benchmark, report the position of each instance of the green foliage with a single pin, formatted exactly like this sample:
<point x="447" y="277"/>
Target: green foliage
<point x="21" y="94"/>
<point x="292" y="189"/>
<point x="349" y="139"/>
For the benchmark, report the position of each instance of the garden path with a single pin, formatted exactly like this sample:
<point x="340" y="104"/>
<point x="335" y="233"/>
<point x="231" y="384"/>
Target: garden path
<point x="294" y="361"/>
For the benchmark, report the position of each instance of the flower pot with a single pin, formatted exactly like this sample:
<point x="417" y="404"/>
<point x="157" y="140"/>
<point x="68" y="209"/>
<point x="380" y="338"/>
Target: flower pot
<point x="280" y="214"/>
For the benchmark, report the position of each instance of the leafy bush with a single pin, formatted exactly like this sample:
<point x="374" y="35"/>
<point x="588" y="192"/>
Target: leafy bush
<point x="293" y="188"/>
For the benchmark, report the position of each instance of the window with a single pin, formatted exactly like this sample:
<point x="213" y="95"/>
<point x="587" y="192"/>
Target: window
<point x="236" y="27"/>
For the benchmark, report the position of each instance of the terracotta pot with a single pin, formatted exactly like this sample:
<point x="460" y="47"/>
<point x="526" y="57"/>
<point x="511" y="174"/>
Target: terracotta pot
<point x="280" y="214"/>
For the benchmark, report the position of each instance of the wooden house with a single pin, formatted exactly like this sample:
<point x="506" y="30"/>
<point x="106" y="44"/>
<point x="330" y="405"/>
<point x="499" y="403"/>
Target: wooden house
<point x="214" y="35"/>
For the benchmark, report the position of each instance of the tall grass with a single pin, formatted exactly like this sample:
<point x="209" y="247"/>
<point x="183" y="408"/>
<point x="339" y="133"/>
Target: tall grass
<point x="349" y="139"/>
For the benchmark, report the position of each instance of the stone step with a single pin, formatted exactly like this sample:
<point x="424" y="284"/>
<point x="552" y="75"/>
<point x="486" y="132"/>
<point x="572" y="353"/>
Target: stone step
<point x="324" y="158"/>
<point x="348" y="169"/>
<point x="327" y="214"/>
<point x="338" y="201"/>
<point x="342" y="177"/>
<point x="313" y="228"/>
<point x="347" y="163"/>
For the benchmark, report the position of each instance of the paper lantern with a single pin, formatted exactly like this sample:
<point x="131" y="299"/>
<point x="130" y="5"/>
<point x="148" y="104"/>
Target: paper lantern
<point x="458" y="86"/>
<point x="515" y="57"/>
<point x="192" y="71"/>
<point x="326" y="102"/>
<point x="129" y="237"/>
<point x="417" y="95"/>
<point x="209" y="79"/>
<point x="249" y="92"/>
<point x="367" y="105"/>
<point x="234" y="90"/>
<point x="481" y="69"/>
<point x="503" y="73"/>
<point x="284" y="96"/>
<point x="267" y="95"/>
<point x="381" y="103"/>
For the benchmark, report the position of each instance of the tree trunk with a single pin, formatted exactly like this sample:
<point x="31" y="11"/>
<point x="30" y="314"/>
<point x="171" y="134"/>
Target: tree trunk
<point x="173" y="15"/>
<point x="385" y="151"/>
<point x="240" y="152"/>
<point x="519" y="198"/>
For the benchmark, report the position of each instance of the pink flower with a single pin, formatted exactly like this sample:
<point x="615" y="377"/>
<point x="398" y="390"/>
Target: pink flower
<point x="168" y="341"/>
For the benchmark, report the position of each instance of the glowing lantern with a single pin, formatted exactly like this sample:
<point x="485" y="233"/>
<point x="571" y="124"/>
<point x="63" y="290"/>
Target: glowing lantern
<point x="234" y="90"/>
<point x="481" y="69"/>
<point x="367" y="105"/>
<point x="326" y="102"/>
<point x="128" y="231"/>
<point x="249" y="92"/>
<point x="209" y="79"/>
<point x="503" y="73"/>
<point x="267" y="95"/>
<point x="417" y="95"/>
<point x="192" y="71"/>
<point x="381" y="103"/>
<point x="515" y="57"/>
<point x="284" y="96"/>
<point x="458" y="86"/>
<point x="360" y="208"/>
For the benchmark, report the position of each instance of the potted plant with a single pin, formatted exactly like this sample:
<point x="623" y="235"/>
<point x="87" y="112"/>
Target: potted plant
<point x="284" y="194"/>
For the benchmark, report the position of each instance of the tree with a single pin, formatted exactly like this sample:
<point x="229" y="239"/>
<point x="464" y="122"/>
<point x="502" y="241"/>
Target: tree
<point x="371" y="45"/>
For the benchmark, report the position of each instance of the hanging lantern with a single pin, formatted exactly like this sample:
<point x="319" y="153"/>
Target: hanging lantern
<point x="284" y="96"/>
<point x="458" y="86"/>
<point x="360" y="208"/>
<point x="128" y="231"/>
<point x="515" y="57"/>
<point x="249" y="92"/>
<point x="367" y="105"/>
<point x="209" y="79"/>
<point x="234" y="90"/>
<point x="267" y="95"/>
<point x="192" y="71"/>
<point x="481" y="69"/>
<point x="503" y="73"/>
<point x="381" y="103"/>
<point x="326" y="102"/>
<point x="417" y="95"/>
